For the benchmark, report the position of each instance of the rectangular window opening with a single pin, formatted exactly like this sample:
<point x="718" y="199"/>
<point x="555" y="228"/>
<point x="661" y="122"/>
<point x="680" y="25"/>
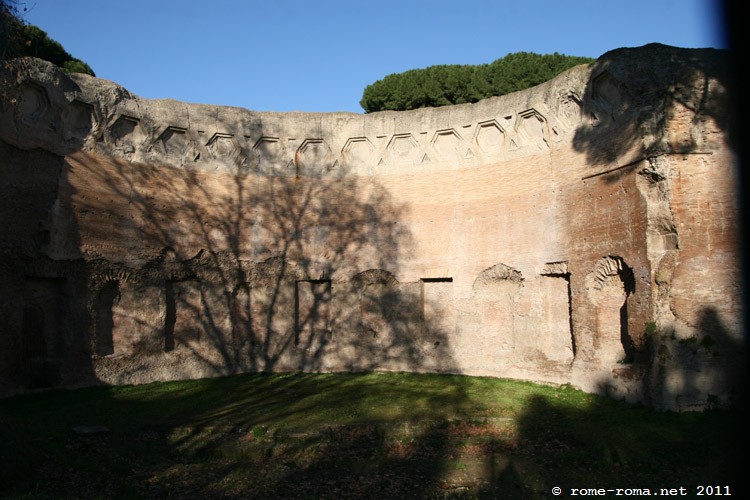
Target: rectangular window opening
<point x="437" y="280"/>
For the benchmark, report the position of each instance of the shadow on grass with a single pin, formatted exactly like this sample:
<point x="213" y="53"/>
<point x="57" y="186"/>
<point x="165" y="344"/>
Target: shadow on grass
<point x="256" y="435"/>
<point x="610" y="444"/>
<point x="350" y="436"/>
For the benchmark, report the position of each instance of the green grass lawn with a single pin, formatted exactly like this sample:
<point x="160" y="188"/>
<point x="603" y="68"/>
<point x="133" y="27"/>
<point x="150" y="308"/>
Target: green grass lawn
<point x="350" y="436"/>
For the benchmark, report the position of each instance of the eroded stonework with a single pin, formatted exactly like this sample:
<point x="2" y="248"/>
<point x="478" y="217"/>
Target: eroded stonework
<point x="583" y="231"/>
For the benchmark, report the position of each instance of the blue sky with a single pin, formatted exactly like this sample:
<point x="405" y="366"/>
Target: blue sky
<point x="295" y="55"/>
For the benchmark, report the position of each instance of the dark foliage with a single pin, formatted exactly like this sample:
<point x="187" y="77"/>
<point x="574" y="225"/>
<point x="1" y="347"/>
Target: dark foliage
<point x="18" y="39"/>
<point x="457" y="84"/>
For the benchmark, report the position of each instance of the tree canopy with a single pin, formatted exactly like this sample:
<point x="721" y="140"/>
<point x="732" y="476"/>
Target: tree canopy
<point x="18" y="39"/>
<point x="457" y="84"/>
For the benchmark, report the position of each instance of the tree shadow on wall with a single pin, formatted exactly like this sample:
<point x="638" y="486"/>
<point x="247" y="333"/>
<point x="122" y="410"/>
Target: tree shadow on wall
<point x="256" y="273"/>
<point x="186" y="273"/>
<point x="655" y="99"/>
<point x="220" y="273"/>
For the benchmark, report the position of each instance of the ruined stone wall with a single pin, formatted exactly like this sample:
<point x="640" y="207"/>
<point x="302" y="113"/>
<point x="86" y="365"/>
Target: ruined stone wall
<point x="583" y="231"/>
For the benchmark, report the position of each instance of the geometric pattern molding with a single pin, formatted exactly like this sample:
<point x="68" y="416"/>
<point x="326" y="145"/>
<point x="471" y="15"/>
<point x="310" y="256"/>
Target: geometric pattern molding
<point x="531" y="127"/>
<point x="173" y="141"/>
<point x="490" y="137"/>
<point x="357" y="152"/>
<point x="126" y="132"/>
<point x="33" y="103"/>
<point x="403" y="148"/>
<point x="447" y="143"/>
<point x="222" y="146"/>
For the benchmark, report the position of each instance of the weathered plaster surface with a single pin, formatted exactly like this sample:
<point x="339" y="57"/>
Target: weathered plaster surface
<point x="582" y="231"/>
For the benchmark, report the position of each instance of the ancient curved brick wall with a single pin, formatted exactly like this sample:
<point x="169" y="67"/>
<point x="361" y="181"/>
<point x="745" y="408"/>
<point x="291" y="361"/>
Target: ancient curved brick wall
<point x="580" y="232"/>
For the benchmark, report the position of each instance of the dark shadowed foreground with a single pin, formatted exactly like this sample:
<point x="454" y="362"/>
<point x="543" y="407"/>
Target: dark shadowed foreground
<point x="350" y="436"/>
